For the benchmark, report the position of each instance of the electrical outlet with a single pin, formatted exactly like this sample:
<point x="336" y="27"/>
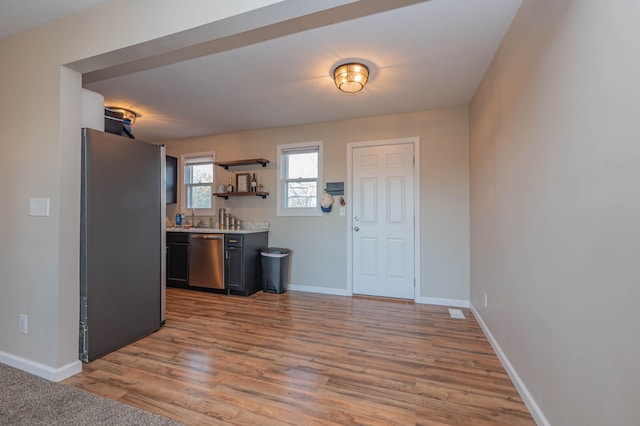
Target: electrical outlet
<point x="24" y="324"/>
<point x="485" y="300"/>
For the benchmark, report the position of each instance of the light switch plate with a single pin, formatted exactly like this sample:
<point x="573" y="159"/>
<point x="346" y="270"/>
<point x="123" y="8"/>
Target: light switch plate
<point x="38" y="207"/>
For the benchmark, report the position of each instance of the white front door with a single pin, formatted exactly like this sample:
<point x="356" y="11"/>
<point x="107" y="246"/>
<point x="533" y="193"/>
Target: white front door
<point x="383" y="221"/>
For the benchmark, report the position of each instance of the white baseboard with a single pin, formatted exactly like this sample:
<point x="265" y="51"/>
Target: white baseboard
<point x="458" y="303"/>
<point x="532" y="405"/>
<point x="44" y="371"/>
<point x="322" y="290"/>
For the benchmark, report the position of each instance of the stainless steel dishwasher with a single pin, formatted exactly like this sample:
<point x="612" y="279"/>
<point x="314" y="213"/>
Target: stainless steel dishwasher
<point x="206" y="260"/>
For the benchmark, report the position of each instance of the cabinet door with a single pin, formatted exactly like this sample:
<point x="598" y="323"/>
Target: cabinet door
<point x="177" y="263"/>
<point x="234" y="269"/>
<point x="172" y="179"/>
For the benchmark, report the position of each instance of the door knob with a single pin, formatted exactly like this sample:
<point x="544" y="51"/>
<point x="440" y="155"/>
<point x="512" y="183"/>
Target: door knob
<point x="355" y="228"/>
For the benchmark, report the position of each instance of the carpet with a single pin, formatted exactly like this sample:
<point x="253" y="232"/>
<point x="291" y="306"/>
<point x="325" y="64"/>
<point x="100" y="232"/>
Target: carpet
<point x="26" y="399"/>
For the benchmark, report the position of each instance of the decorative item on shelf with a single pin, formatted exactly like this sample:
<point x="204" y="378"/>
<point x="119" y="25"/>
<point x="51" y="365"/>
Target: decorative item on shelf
<point x="351" y="77"/>
<point x="242" y="182"/>
<point x="247" y="184"/>
<point x="254" y="184"/>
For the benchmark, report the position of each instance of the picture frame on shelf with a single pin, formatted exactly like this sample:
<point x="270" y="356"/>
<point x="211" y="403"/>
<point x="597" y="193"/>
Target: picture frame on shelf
<point x="242" y="182"/>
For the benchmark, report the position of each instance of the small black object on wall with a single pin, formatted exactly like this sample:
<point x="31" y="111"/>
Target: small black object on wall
<point x="172" y="179"/>
<point x="334" y="188"/>
<point x="114" y="122"/>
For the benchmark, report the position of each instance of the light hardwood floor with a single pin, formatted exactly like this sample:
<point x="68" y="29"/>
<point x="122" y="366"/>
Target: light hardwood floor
<point x="309" y="359"/>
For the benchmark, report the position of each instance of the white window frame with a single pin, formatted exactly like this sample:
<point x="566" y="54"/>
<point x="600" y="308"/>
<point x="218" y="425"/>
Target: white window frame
<point x="282" y="210"/>
<point x="183" y="186"/>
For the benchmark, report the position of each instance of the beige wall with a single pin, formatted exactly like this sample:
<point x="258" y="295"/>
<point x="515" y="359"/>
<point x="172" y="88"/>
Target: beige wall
<point x="40" y="109"/>
<point x="40" y="114"/>
<point x="320" y="243"/>
<point x="555" y="207"/>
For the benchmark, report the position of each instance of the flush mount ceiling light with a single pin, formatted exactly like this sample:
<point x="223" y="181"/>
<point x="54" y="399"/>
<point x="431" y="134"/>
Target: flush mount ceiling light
<point x="351" y="77"/>
<point x="127" y="113"/>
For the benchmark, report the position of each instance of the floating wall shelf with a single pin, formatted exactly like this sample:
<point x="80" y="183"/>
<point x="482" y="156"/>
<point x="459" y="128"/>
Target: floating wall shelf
<point x="227" y="164"/>
<point x="226" y="195"/>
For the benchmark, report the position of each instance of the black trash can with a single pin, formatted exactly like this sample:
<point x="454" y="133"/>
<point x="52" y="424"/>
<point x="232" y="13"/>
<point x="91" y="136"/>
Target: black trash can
<point x="275" y="269"/>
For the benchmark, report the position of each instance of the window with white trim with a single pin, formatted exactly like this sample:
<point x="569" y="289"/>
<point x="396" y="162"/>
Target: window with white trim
<point x="198" y="180"/>
<point x="299" y="179"/>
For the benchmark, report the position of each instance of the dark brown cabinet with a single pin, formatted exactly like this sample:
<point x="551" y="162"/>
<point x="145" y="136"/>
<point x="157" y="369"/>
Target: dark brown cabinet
<point x="234" y="271"/>
<point x="172" y="179"/>
<point x="242" y="262"/>
<point x="242" y="267"/>
<point x="177" y="259"/>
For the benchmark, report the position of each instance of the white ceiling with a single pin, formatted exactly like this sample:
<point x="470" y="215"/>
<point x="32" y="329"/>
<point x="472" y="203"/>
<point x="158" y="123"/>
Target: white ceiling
<point x="17" y="16"/>
<point x="432" y="54"/>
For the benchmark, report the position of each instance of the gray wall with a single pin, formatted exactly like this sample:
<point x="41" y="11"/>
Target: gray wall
<point x="320" y="243"/>
<point x="555" y="207"/>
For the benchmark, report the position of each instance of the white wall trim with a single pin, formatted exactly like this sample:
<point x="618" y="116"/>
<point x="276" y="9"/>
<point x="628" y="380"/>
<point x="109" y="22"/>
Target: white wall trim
<point x="532" y="405"/>
<point x="44" y="371"/>
<point x="281" y="189"/>
<point x="415" y="141"/>
<point x="322" y="290"/>
<point x="181" y="196"/>
<point x="458" y="303"/>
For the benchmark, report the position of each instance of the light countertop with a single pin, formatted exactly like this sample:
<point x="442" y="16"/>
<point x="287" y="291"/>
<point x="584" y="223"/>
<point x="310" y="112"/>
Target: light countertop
<point x="216" y="230"/>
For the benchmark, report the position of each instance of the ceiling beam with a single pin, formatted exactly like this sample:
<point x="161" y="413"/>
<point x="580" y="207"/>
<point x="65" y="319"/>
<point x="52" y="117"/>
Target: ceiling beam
<point x="284" y="18"/>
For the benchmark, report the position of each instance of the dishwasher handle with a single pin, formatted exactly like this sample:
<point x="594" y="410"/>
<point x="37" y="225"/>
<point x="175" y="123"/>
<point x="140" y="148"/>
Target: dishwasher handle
<point x="206" y="237"/>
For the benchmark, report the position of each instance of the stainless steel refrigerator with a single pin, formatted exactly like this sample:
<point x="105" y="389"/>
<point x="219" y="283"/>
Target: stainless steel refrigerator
<point x="122" y="244"/>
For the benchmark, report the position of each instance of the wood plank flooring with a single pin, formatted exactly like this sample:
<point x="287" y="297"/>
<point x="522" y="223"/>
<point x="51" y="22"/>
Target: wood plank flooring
<point x="309" y="359"/>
